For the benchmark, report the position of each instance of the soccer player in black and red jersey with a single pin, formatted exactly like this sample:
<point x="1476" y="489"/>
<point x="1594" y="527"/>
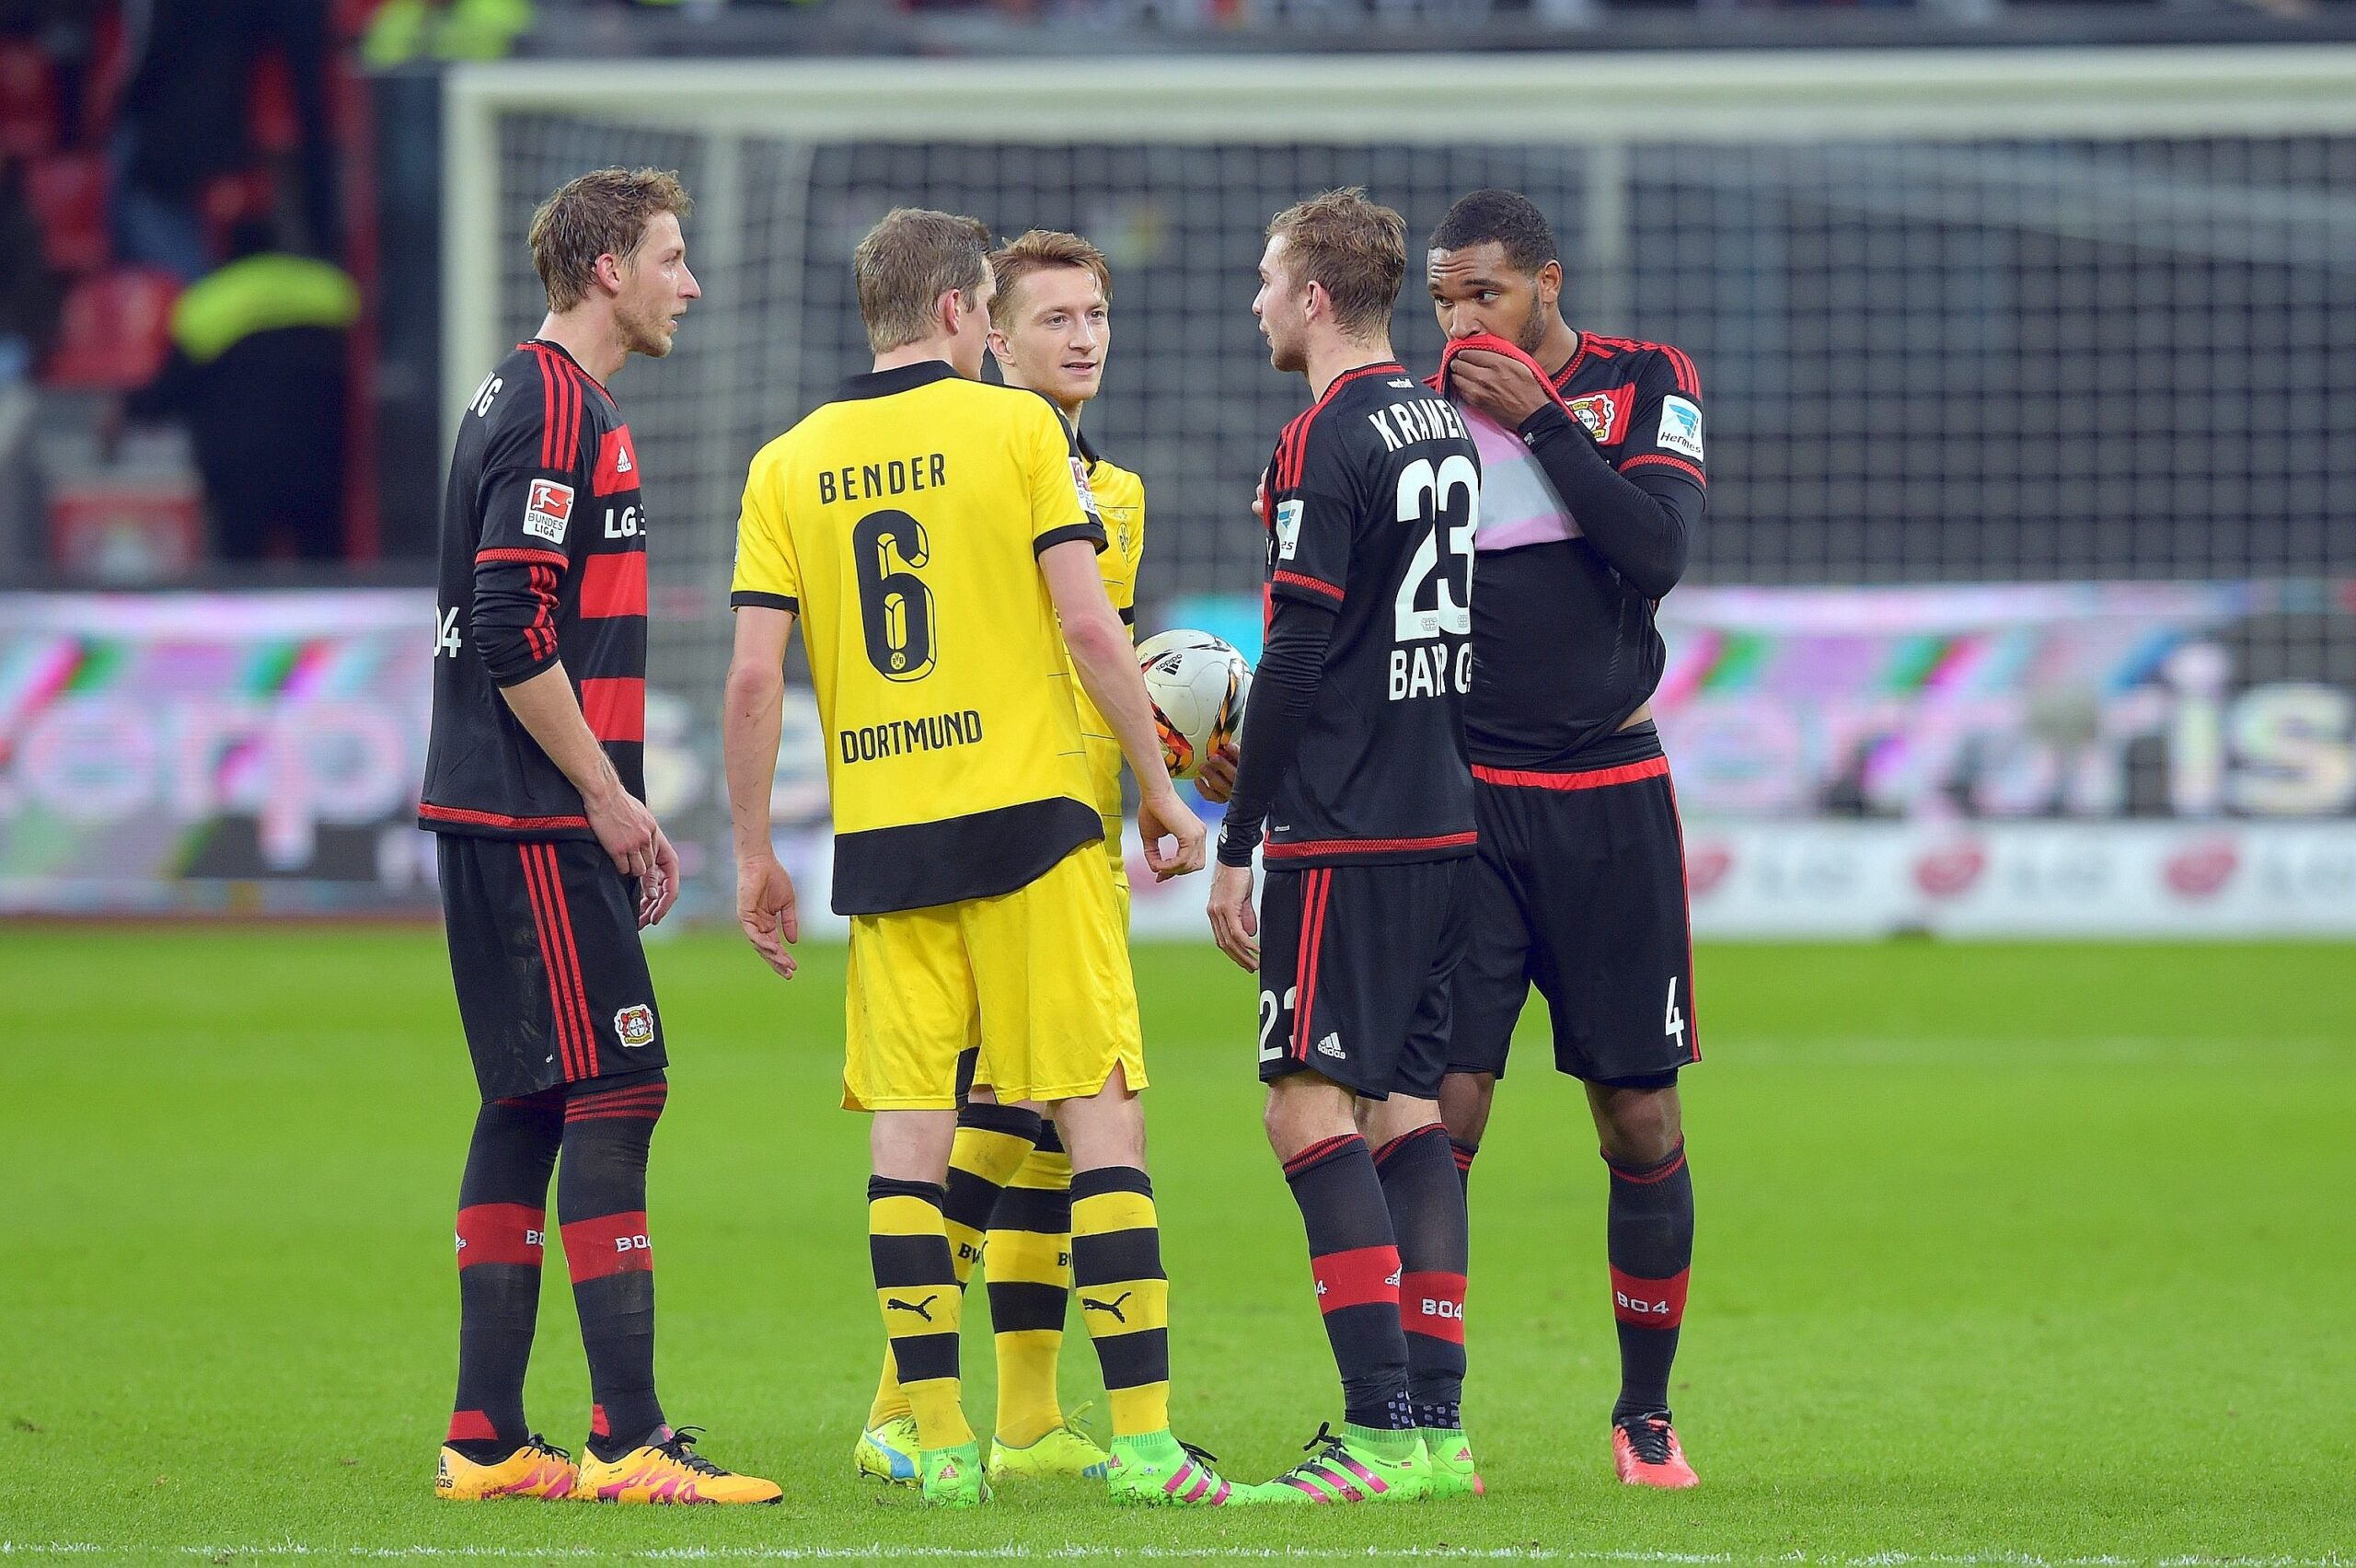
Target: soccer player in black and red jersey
<point x="550" y="863"/>
<point x="1579" y="887"/>
<point x="1353" y="758"/>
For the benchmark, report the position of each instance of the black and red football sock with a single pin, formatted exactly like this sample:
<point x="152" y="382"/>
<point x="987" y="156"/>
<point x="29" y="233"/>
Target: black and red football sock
<point x="1651" y="1230"/>
<point x="601" y="1204"/>
<point x="1463" y="1153"/>
<point x="503" y="1213"/>
<point x="1356" y="1262"/>
<point x="1421" y="1186"/>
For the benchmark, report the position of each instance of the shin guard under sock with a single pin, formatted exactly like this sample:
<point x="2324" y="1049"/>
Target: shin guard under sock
<point x="1426" y="1201"/>
<point x="601" y="1204"/>
<point x="1651" y="1240"/>
<point x="1355" y="1260"/>
<point x="502" y="1220"/>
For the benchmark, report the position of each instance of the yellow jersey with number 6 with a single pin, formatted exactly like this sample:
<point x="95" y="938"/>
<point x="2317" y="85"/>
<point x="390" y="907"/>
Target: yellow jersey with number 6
<point x="902" y="522"/>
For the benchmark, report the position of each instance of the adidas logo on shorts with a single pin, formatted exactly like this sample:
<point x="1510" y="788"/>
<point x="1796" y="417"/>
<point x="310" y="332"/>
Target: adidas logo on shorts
<point x="1332" y="1046"/>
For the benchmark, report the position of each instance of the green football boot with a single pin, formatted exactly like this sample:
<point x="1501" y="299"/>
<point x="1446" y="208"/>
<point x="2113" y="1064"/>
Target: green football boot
<point x="1357" y="1464"/>
<point x="953" y="1477"/>
<point x="1453" y="1473"/>
<point x="888" y="1452"/>
<point x="1065" y="1451"/>
<point x="1156" y="1470"/>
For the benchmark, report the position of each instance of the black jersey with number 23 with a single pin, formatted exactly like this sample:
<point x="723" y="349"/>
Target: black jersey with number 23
<point x="1372" y="500"/>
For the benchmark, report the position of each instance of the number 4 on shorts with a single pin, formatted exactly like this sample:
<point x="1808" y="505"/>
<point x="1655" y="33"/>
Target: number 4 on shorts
<point x="1673" y="1022"/>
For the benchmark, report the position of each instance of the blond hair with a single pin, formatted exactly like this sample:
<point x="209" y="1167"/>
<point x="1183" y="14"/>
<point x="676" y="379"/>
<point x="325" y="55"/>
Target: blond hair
<point x="1036" y="251"/>
<point x="603" y="212"/>
<point x="1355" y="250"/>
<point x="907" y="262"/>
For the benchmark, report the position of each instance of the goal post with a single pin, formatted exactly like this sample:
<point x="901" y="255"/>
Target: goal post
<point x="2073" y="315"/>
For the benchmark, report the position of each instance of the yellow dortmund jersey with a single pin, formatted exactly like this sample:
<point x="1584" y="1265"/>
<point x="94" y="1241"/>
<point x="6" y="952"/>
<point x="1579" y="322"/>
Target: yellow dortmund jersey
<point x="1120" y="502"/>
<point x="901" y="521"/>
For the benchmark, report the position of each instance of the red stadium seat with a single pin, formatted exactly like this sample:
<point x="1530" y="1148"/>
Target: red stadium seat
<point x="116" y="332"/>
<point x="28" y="100"/>
<point x="270" y="106"/>
<point x="68" y="195"/>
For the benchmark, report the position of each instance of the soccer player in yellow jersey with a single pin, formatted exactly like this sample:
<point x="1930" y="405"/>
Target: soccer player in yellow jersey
<point x="1050" y="327"/>
<point x="936" y="539"/>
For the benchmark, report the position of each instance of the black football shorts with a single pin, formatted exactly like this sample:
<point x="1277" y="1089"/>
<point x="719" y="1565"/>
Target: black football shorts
<point x="1355" y="965"/>
<point x="1580" y="890"/>
<point x="552" y="982"/>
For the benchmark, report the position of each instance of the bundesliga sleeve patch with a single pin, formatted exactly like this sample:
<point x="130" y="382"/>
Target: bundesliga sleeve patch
<point x="548" y="511"/>
<point x="1080" y="488"/>
<point x="1680" y="427"/>
<point x="1287" y="528"/>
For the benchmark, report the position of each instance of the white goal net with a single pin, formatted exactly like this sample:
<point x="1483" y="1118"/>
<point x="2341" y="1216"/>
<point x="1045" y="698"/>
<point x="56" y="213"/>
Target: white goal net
<point x="2061" y="317"/>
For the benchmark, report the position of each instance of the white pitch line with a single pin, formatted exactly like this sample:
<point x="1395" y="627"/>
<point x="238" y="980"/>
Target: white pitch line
<point x="878" y="1552"/>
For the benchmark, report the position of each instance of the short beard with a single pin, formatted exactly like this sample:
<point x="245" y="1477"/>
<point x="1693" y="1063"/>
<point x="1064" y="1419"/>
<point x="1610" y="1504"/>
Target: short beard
<point x="642" y="335"/>
<point x="1533" y="332"/>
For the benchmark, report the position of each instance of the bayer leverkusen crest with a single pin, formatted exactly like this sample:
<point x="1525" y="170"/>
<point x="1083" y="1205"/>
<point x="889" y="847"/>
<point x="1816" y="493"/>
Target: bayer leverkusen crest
<point x="634" y="1026"/>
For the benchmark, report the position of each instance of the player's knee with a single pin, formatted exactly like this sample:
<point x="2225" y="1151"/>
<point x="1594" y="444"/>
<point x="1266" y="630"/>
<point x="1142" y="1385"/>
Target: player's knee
<point x="1640" y="1127"/>
<point x="1464" y="1104"/>
<point x="1105" y="1129"/>
<point x="1303" y="1108"/>
<point x="1383" y="1120"/>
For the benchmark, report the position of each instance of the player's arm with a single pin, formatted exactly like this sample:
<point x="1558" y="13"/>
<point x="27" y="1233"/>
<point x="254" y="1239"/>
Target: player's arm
<point x="1292" y="661"/>
<point x="1065" y="535"/>
<point x="766" y="596"/>
<point x="519" y="564"/>
<point x="1105" y="660"/>
<point x="1312" y="522"/>
<point x="749" y="723"/>
<point x="1639" y="517"/>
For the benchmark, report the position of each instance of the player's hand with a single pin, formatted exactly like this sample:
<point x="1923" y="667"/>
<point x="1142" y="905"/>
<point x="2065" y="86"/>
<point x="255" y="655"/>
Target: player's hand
<point x="1497" y="385"/>
<point x="1167" y="816"/>
<point x="765" y="908"/>
<point x="659" y="889"/>
<point x="1260" y="499"/>
<point x="627" y="830"/>
<point x="1233" y="925"/>
<point x="1215" y="781"/>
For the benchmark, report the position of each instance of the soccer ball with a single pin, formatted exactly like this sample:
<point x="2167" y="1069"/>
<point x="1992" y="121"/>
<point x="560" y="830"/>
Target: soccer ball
<point x="1198" y="685"/>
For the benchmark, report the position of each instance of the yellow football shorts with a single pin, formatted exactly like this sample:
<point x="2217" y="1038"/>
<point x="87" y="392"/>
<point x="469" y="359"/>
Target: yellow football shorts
<point x="1042" y="974"/>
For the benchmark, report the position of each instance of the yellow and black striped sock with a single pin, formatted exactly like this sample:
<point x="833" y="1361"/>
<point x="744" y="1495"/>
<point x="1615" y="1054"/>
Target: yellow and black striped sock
<point x="1030" y="1285"/>
<point x="992" y="1141"/>
<point x="1124" y="1296"/>
<point x="916" y="1286"/>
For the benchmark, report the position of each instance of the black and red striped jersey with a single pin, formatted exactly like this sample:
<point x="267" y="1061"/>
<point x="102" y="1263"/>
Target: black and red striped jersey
<point x="543" y="559"/>
<point x="1564" y="645"/>
<point x="1374" y="497"/>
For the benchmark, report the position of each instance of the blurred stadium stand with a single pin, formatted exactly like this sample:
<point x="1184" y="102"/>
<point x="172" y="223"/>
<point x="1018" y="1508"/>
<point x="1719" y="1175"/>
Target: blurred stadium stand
<point x="2068" y="311"/>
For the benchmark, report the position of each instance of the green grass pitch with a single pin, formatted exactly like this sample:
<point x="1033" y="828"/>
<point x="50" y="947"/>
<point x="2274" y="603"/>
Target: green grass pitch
<point x="2006" y="1253"/>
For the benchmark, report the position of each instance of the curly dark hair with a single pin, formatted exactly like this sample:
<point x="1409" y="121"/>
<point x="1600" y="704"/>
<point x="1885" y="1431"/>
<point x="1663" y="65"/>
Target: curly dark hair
<point x="1507" y="217"/>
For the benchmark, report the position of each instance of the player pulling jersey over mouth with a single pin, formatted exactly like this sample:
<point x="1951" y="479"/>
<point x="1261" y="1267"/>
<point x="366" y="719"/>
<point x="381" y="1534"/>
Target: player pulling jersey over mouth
<point x="1589" y="504"/>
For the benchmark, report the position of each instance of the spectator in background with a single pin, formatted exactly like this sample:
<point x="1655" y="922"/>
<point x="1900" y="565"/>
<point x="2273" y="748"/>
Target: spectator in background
<point x="186" y="122"/>
<point x="30" y="294"/>
<point x="403" y="30"/>
<point x="257" y="373"/>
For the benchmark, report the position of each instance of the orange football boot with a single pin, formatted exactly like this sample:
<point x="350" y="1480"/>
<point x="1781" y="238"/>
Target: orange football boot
<point x="536" y="1469"/>
<point x="667" y="1470"/>
<point x="1646" y="1452"/>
